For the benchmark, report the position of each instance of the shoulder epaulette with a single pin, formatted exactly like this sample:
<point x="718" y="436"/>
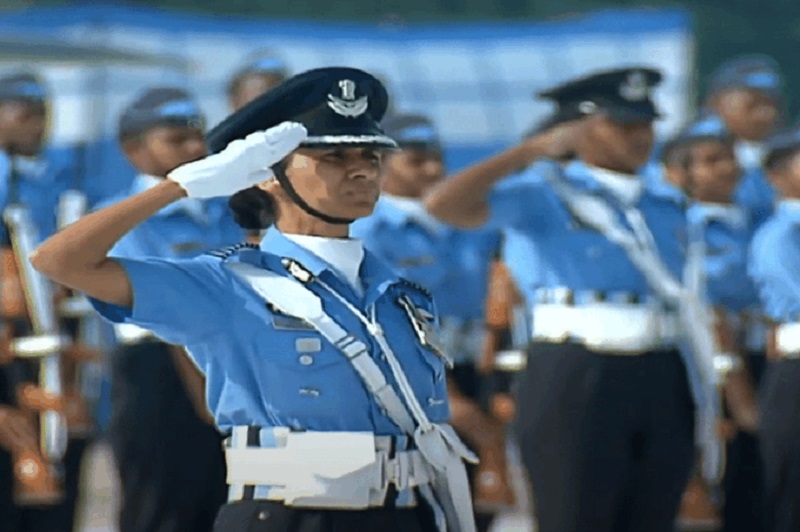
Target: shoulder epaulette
<point x="416" y="286"/>
<point x="229" y="251"/>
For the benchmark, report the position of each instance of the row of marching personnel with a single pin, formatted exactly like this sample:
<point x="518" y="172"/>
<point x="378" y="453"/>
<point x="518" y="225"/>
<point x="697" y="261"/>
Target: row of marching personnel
<point x="630" y="318"/>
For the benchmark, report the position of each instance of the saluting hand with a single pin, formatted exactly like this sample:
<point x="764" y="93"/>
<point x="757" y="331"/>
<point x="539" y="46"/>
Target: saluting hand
<point x="242" y="164"/>
<point x="557" y="142"/>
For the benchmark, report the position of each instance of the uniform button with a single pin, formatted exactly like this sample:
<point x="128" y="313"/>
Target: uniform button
<point x="263" y="515"/>
<point x="306" y="360"/>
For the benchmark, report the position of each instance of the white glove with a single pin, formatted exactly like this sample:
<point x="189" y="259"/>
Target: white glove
<point x="242" y="164"/>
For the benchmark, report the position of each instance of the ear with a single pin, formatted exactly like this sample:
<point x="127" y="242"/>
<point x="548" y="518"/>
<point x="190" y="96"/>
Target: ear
<point x="134" y="150"/>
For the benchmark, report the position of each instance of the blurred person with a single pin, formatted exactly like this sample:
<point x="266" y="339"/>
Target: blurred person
<point x="774" y="261"/>
<point x="168" y="453"/>
<point x="454" y="266"/>
<point x="719" y="238"/>
<point x="33" y="175"/>
<point x="745" y="92"/>
<point x="607" y="417"/>
<point x="254" y="79"/>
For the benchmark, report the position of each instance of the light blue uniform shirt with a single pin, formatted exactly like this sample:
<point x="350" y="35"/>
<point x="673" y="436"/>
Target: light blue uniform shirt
<point x="267" y="369"/>
<point x="755" y="195"/>
<point x="726" y="235"/>
<point x="183" y="229"/>
<point x="453" y="264"/>
<point x="775" y="263"/>
<point x="551" y="249"/>
<point x="39" y="186"/>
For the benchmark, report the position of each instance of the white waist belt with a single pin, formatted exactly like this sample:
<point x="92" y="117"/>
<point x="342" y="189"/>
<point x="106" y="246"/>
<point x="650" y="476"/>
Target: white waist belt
<point x="327" y="470"/>
<point x="607" y="327"/>
<point x="128" y="333"/>
<point x="787" y="340"/>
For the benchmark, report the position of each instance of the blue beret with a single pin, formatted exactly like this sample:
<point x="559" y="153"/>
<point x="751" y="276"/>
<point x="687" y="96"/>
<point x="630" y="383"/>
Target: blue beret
<point x="268" y="64"/>
<point x="412" y="131"/>
<point x="709" y="127"/>
<point x="22" y="86"/>
<point x="623" y="94"/>
<point x="781" y="144"/>
<point x="161" y="107"/>
<point x="757" y="72"/>
<point x="337" y="105"/>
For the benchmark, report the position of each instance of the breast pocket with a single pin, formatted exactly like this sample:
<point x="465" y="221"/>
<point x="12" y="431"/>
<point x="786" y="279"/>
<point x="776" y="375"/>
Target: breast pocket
<point x="306" y="379"/>
<point x="412" y="337"/>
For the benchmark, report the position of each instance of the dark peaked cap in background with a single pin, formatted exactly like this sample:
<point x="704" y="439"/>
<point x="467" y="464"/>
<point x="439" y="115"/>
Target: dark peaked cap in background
<point x="623" y="94"/>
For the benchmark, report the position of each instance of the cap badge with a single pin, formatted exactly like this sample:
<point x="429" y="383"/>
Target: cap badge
<point x="587" y="107"/>
<point x="634" y="88"/>
<point x="348" y="105"/>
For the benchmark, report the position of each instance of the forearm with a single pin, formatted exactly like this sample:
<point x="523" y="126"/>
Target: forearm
<point x="84" y="245"/>
<point x="461" y="200"/>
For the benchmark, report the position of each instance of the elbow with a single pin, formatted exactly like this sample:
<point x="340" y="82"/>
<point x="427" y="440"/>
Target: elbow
<point x="46" y="263"/>
<point x="435" y="206"/>
<point x="38" y="260"/>
<point x="42" y="262"/>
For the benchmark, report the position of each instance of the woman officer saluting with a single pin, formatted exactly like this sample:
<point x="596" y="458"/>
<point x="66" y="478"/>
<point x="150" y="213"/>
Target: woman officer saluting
<point x="319" y="361"/>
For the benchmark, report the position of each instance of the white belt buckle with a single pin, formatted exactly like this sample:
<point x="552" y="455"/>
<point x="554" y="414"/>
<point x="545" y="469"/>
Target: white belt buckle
<point x="787" y="340"/>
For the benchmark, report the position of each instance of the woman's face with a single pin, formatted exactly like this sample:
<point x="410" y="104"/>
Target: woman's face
<point x="343" y="182"/>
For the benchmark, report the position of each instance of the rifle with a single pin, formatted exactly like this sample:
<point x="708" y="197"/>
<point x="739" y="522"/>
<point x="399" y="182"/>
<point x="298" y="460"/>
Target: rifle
<point x="83" y="371"/>
<point x="499" y="364"/>
<point x="38" y="472"/>
<point x="715" y="337"/>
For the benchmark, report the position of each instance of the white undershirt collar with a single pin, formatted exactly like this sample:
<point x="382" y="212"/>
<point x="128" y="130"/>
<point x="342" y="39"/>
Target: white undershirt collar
<point x="343" y="254"/>
<point x="625" y="187"/>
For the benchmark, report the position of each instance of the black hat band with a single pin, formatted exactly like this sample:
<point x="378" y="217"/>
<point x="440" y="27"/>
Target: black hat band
<point x="280" y="174"/>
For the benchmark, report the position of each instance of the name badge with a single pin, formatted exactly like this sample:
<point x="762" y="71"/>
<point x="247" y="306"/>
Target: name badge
<point x="187" y="247"/>
<point x="285" y="322"/>
<point x="289" y="323"/>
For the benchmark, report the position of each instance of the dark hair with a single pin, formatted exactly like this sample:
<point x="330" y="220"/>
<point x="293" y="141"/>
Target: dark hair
<point x="253" y="209"/>
<point x="776" y="158"/>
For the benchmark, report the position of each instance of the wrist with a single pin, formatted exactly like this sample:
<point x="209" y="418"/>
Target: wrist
<point x="173" y="189"/>
<point x="531" y="151"/>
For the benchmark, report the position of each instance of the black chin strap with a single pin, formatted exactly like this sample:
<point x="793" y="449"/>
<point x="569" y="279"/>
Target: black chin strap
<point x="287" y="186"/>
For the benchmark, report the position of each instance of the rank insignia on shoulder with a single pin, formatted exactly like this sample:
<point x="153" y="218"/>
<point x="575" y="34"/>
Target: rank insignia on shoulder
<point x="415" y="286"/>
<point x="297" y="270"/>
<point x="229" y="251"/>
<point x="423" y="324"/>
